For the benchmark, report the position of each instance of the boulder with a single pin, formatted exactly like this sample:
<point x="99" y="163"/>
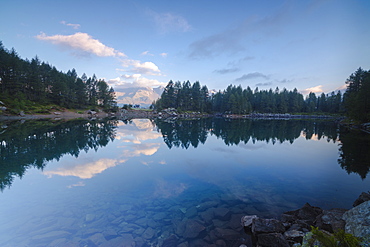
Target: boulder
<point x="362" y="198"/>
<point x="307" y="213"/>
<point x="294" y="235"/>
<point x="331" y="220"/>
<point x="358" y="220"/>
<point x="247" y="220"/>
<point x="272" y="240"/>
<point x="260" y="225"/>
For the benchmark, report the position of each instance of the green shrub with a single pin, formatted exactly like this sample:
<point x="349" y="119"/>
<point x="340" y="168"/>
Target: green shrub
<point x="321" y="238"/>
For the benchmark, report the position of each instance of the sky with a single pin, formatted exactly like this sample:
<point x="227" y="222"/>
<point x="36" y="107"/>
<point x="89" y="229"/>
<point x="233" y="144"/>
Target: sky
<point x="311" y="45"/>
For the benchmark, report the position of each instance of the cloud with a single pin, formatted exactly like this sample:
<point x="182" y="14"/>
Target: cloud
<point x="230" y="41"/>
<point x="317" y="89"/>
<point x="284" y="81"/>
<point x="214" y="45"/>
<point x="226" y="71"/>
<point x="83" y="43"/>
<point x="146" y="53"/>
<point x="163" y="54"/>
<point x="342" y="88"/>
<point x="168" y="22"/>
<point x="253" y="75"/>
<point x="135" y="66"/>
<point x="264" y="84"/>
<point x="133" y="81"/>
<point x="74" y="26"/>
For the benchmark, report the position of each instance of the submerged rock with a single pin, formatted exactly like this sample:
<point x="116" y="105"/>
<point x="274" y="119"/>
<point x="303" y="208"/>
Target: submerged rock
<point x="193" y="229"/>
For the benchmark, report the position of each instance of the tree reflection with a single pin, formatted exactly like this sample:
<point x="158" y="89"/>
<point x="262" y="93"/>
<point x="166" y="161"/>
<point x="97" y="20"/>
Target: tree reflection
<point x="354" y="147"/>
<point x="183" y="133"/>
<point x="29" y="144"/>
<point x="354" y="151"/>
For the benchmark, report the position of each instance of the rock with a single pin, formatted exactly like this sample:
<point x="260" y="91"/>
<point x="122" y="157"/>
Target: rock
<point x="331" y="220"/>
<point x="260" y="225"/>
<point x="193" y="229"/>
<point x="227" y="234"/>
<point x="139" y="231"/>
<point x="198" y="243"/>
<point x="90" y="217"/>
<point x="219" y="223"/>
<point x="125" y="207"/>
<point x="307" y="213"/>
<point x="358" y="220"/>
<point x="287" y="218"/>
<point x="362" y="198"/>
<point x="50" y="236"/>
<point x="160" y="216"/>
<point x="247" y="220"/>
<point x="179" y="227"/>
<point x="220" y="243"/>
<point x="125" y="240"/>
<point x="169" y="242"/>
<point x="142" y="222"/>
<point x="294" y="235"/>
<point x="272" y="240"/>
<point x="98" y="239"/>
<point x="149" y="233"/>
<point x="191" y="212"/>
<point x="222" y="213"/>
<point x="234" y="222"/>
<point x="152" y="223"/>
<point x="206" y="205"/>
<point x="90" y="231"/>
<point x="184" y="244"/>
<point x="183" y="210"/>
<point x="110" y="233"/>
<point x="207" y="215"/>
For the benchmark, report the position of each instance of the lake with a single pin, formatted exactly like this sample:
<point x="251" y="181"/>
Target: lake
<point x="168" y="183"/>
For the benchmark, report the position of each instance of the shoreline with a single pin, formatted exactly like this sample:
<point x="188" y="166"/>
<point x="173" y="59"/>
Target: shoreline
<point x="130" y="114"/>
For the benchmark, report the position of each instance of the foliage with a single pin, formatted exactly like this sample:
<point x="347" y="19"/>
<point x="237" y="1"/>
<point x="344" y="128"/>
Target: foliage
<point x="357" y="95"/>
<point x="236" y="100"/>
<point x="339" y="239"/>
<point x="23" y="82"/>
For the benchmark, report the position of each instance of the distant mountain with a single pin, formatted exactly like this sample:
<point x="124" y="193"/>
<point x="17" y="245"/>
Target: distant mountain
<point x="143" y="96"/>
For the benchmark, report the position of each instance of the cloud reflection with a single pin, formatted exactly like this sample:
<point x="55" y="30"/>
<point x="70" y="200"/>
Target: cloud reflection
<point x="132" y="140"/>
<point x="84" y="171"/>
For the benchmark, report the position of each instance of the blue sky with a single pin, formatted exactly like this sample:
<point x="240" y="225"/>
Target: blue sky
<point x="311" y="45"/>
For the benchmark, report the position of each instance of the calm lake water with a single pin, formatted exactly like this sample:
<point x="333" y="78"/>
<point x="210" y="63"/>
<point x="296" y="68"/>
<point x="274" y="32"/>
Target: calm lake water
<point x="168" y="183"/>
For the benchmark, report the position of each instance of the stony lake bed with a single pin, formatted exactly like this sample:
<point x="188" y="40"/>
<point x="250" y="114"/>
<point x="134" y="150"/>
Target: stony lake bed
<point x="147" y="182"/>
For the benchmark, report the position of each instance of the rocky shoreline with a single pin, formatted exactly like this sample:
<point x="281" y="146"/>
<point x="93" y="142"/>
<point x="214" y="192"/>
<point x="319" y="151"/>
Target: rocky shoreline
<point x="293" y="227"/>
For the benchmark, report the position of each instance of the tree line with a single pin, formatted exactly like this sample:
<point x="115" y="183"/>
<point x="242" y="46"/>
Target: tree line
<point x="234" y="99"/>
<point x="22" y="80"/>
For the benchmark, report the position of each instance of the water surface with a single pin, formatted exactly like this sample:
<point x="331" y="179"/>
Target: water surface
<point x="154" y="183"/>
